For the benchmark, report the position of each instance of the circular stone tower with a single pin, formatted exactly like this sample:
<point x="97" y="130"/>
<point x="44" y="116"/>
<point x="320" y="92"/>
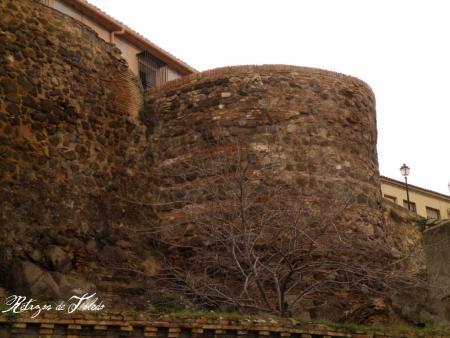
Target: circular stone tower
<point x="319" y="127"/>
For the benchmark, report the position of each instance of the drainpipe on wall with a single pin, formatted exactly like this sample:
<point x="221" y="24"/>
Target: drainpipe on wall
<point x="113" y="34"/>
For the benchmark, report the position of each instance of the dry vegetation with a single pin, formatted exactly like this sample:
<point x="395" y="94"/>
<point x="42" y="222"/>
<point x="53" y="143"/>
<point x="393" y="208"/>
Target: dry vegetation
<point x="247" y="241"/>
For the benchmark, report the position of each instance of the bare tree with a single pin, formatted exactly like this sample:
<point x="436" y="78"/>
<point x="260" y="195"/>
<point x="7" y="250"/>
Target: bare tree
<point x="250" y="240"/>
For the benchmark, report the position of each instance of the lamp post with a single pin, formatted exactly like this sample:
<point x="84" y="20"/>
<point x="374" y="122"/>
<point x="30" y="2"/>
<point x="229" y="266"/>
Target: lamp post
<point x="404" y="170"/>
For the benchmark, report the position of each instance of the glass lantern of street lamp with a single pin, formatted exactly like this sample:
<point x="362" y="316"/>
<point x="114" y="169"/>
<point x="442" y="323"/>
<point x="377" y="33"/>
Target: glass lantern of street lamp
<point x="404" y="170"/>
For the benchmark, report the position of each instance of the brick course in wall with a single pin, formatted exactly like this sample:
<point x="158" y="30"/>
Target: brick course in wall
<point x="166" y="327"/>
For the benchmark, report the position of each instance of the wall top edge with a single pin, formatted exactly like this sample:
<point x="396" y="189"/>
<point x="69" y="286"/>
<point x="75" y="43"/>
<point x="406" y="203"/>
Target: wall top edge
<point x="229" y="71"/>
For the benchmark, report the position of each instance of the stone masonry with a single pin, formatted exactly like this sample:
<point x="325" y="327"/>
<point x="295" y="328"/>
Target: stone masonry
<point x="84" y="156"/>
<point x="318" y="127"/>
<point x="72" y="150"/>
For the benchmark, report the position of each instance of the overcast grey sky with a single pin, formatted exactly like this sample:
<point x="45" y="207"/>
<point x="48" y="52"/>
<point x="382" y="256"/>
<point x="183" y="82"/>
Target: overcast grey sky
<point x="400" y="48"/>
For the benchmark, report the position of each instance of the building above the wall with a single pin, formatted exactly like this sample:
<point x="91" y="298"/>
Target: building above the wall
<point x="153" y="65"/>
<point x="424" y="202"/>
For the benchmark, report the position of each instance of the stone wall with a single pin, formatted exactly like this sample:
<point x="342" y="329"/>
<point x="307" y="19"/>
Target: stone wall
<point x="422" y="250"/>
<point x="167" y="327"/>
<point x="73" y="153"/>
<point x="317" y="127"/>
<point x="80" y="172"/>
<point x="436" y="242"/>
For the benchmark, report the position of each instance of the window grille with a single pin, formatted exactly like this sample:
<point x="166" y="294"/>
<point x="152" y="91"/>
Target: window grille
<point x="149" y="69"/>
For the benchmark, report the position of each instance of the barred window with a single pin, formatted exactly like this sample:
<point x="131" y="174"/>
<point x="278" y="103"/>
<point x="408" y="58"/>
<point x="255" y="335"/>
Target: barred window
<point x="149" y="67"/>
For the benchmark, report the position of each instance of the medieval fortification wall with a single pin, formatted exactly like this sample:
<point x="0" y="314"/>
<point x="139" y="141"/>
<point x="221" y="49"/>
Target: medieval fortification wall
<point x="72" y="151"/>
<point x="86" y="160"/>
<point x="316" y="128"/>
<point x="78" y="163"/>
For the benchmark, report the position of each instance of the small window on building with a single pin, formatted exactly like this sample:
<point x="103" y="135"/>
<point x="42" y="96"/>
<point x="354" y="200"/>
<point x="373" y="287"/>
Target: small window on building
<point x="433" y="213"/>
<point x="391" y="198"/>
<point x="412" y="205"/>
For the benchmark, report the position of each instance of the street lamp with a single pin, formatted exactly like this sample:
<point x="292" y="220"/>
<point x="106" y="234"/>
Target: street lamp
<point x="404" y="170"/>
